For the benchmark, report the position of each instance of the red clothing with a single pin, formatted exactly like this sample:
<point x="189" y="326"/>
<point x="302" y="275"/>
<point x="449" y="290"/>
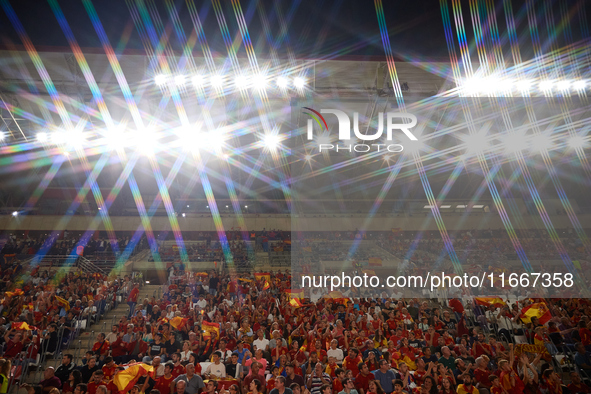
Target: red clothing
<point x="13" y="349"/>
<point x="104" y="348"/>
<point x="133" y="294"/>
<point x="109" y="372"/>
<point x="581" y="388"/>
<point x="178" y="370"/>
<point x="362" y="382"/>
<point x="351" y="363"/>
<point x="585" y="336"/>
<point x="337" y="386"/>
<point x="163" y="384"/>
<point x="506" y="383"/>
<point x="482" y="377"/>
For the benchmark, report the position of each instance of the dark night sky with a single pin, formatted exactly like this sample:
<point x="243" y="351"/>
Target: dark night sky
<point x="315" y="29"/>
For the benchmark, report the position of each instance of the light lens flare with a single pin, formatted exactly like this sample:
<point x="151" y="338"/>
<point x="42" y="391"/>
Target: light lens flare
<point x="514" y="142"/>
<point x="2" y="136"/>
<point x="259" y="81"/>
<point x="198" y="81"/>
<point x="160" y="79"/>
<point x="282" y="82"/>
<point x="217" y="81"/>
<point x="241" y="82"/>
<point x="42" y="137"/>
<point x="579" y="85"/>
<point x="146" y="141"/>
<point x="577" y="142"/>
<point x="299" y="82"/>
<point x="563" y="86"/>
<point x="180" y="80"/>
<point x="524" y="85"/>
<point x="546" y="86"/>
<point x="475" y="143"/>
<point x="271" y="141"/>
<point x="541" y="143"/>
<point x="15" y="213"/>
<point x="58" y="138"/>
<point x="213" y="141"/>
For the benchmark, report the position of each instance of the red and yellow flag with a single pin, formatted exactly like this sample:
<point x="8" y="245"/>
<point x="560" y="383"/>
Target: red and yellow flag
<point x="63" y="303"/>
<point x="178" y="322"/>
<point x="16" y="293"/>
<point x="267" y="285"/>
<point x="539" y="310"/>
<point x="490" y="301"/>
<point x="296" y="303"/>
<point x="125" y="380"/>
<point x="20" y="326"/>
<point x="299" y="293"/>
<point x="208" y="328"/>
<point x="258" y="276"/>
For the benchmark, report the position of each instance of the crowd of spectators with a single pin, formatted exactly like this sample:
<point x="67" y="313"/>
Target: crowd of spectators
<point x="230" y="334"/>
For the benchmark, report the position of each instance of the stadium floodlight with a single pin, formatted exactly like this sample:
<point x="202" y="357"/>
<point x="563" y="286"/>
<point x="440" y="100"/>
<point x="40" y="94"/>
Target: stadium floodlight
<point x="308" y="157"/>
<point x="15" y="213"/>
<point x="514" y="142"/>
<point x="271" y="141"/>
<point x="180" y="80"/>
<point x="428" y="207"/>
<point x="198" y="80"/>
<point x="75" y="139"/>
<point x="146" y="141"/>
<point x="580" y="85"/>
<point x="445" y="206"/>
<point x="259" y="81"/>
<point x="475" y="142"/>
<point x="546" y="85"/>
<point x="241" y="82"/>
<point x="42" y="137"/>
<point x="160" y="79"/>
<point x="183" y="215"/>
<point x="246" y="206"/>
<point x="217" y="81"/>
<point x="2" y="136"/>
<point x="282" y="82"/>
<point x="523" y="85"/>
<point x="540" y="143"/>
<point x="214" y="140"/>
<point x="460" y="206"/>
<point x="505" y="86"/>
<point x="478" y="206"/>
<point x="58" y="138"/>
<point x="299" y="82"/>
<point x="489" y="85"/>
<point x="577" y="141"/>
<point x="471" y="86"/>
<point x="187" y="206"/>
<point x="563" y="86"/>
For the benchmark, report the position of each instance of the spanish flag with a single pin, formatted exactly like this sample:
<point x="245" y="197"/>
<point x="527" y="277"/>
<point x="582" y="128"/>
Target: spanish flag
<point x="63" y="303"/>
<point x="20" y="326"/>
<point x="208" y="328"/>
<point x="298" y="293"/>
<point x="16" y="293"/>
<point x="490" y="301"/>
<point x="178" y="322"/>
<point x="125" y="380"/>
<point x="262" y="275"/>
<point x="539" y="310"/>
<point x="296" y="303"/>
<point x="267" y="285"/>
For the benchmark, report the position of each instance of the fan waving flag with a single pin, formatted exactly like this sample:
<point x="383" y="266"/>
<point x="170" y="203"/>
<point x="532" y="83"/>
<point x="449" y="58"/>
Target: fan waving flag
<point x="20" y="326"/>
<point x="299" y="293"/>
<point x="267" y="285"/>
<point x="208" y="328"/>
<point x="296" y="303"/>
<point x="262" y="275"/>
<point x="63" y="303"/>
<point x="490" y="301"/>
<point x="125" y="380"/>
<point x="178" y="322"/>
<point x="539" y="310"/>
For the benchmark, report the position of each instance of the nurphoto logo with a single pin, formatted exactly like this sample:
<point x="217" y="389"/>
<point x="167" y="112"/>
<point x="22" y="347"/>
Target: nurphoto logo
<point x="394" y="122"/>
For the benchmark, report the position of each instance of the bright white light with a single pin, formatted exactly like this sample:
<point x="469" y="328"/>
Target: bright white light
<point x="241" y="82"/>
<point x="460" y="206"/>
<point x="428" y="207"/>
<point x="524" y="85"/>
<point x="577" y="142"/>
<point x="471" y="86"/>
<point x="478" y="206"/>
<point x="226" y="156"/>
<point x="187" y="206"/>
<point x="180" y="80"/>
<point x="323" y="139"/>
<point x="282" y="82"/>
<point x="308" y="157"/>
<point x="246" y="206"/>
<point x="42" y="137"/>
<point x="271" y="141"/>
<point x="75" y="139"/>
<point x="259" y="81"/>
<point x="226" y="206"/>
<point x="58" y="138"/>
<point x="299" y="82"/>
<point x="213" y="140"/>
<point x="514" y="142"/>
<point x="160" y="79"/>
<point x="546" y="85"/>
<point x="505" y="85"/>
<point x="183" y="214"/>
<point x="15" y="213"/>
<point x="115" y="138"/>
<point x="146" y="141"/>
<point x="579" y="85"/>
<point x="541" y="143"/>
<point x="490" y="85"/>
<point x="2" y="135"/>
<point x="217" y="81"/>
<point x="198" y="80"/>
<point x="445" y="206"/>
<point x="563" y="86"/>
<point x="99" y="208"/>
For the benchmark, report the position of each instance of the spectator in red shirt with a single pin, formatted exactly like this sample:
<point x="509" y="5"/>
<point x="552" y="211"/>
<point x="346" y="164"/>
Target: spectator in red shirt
<point x="363" y="378"/>
<point x="132" y="299"/>
<point x="14" y="345"/>
<point x="577" y="385"/>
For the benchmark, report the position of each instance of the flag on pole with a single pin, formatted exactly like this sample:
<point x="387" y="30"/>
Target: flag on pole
<point x="63" y="303"/>
<point x="178" y="322"/>
<point x="490" y="301"/>
<point x="125" y="380"/>
<point x="267" y="285"/>
<point x="539" y="310"/>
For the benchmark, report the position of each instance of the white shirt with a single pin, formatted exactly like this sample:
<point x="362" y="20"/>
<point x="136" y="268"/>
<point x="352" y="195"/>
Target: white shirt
<point x="261" y="343"/>
<point x="201" y="303"/>
<point x="336" y="353"/>
<point x="218" y="370"/>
